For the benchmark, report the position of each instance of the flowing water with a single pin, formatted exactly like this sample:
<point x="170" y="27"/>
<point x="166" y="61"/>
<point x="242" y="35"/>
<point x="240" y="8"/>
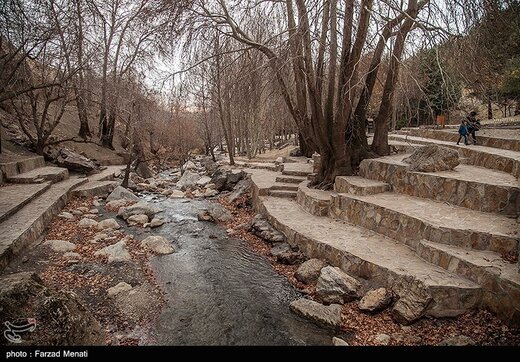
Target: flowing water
<point x="219" y="291"/>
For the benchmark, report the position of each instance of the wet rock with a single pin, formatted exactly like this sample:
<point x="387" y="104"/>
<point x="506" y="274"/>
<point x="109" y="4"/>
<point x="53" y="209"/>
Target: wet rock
<point x="61" y="318"/>
<point x="261" y="227"/>
<point x="156" y="222"/>
<point x="241" y="188"/>
<point x="382" y="339"/>
<point x="141" y="207"/>
<point x="139" y="219"/>
<point x="285" y="255"/>
<point x="176" y="194"/>
<point x="458" y="341"/>
<point x="325" y="316"/>
<point x="338" y="342"/>
<point x="203" y="181"/>
<point x="158" y="244"/>
<point x="87" y="223"/>
<point x="66" y="215"/>
<point x="215" y="213"/>
<point x="108" y="224"/>
<point x="60" y="246"/>
<point x="120" y="193"/>
<point x="118" y="288"/>
<point x="188" y="180"/>
<point x="115" y="253"/>
<point x="411" y="305"/>
<point x="433" y="158"/>
<point x="310" y="270"/>
<point x="335" y="286"/>
<point x="375" y="300"/>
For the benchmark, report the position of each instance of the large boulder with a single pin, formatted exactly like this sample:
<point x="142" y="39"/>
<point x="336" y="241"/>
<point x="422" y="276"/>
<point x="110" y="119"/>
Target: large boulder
<point x="73" y="161"/>
<point x="121" y="193"/>
<point x="141" y="207"/>
<point x="219" y="179"/>
<point x="158" y="245"/>
<point x="188" y="180"/>
<point x="60" y="318"/>
<point x="375" y="300"/>
<point x="325" y="316"/>
<point x="335" y="286"/>
<point x="310" y="270"/>
<point x="241" y="188"/>
<point x="412" y="304"/>
<point x="433" y="158"/>
<point x="261" y="227"/>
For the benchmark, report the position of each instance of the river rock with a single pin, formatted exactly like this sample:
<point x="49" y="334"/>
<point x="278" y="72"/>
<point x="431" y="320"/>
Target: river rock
<point x="118" y="288"/>
<point x="382" y="339"/>
<point x="325" y="316"/>
<point x="99" y="237"/>
<point x="188" y="180"/>
<point x="310" y="270"/>
<point x="142" y="207"/>
<point x="83" y="209"/>
<point x="335" y="286"/>
<point x="167" y="192"/>
<point x="120" y="193"/>
<point x="66" y="215"/>
<point x="285" y="255"/>
<point x="338" y="342"/>
<point x="115" y="253"/>
<point x="375" y="300"/>
<point x="76" y="213"/>
<point x="433" y="158"/>
<point x="139" y="219"/>
<point x="177" y="194"/>
<point x="241" y="188"/>
<point x="61" y="318"/>
<point x="60" y="246"/>
<point x="458" y="341"/>
<point x="93" y="211"/>
<point x="261" y="227"/>
<point x="116" y="204"/>
<point x="87" y="223"/>
<point x="158" y="244"/>
<point x="203" y="181"/>
<point x="156" y="222"/>
<point x="108" y="224"/>
<point x="411" y="305"/>
<point x="215" y="213"/>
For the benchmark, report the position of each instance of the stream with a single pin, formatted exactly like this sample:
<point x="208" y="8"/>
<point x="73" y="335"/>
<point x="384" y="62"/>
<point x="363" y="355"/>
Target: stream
<point x="220" y="292"/>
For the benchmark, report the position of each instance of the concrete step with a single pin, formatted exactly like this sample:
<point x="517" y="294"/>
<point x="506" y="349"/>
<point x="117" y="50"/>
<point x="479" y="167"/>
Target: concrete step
<point x="467" y="186"/>
<point x="453" y="136"/>
<point x="290" y="179"/>
<point x="297" y="169"/>
<point x="95" y="188"/>
<point x="38" y="175"/>
<point x="283" y="194"/>
<point x="285" y="186"/>
<point x="28" y="224"/>
<point x="410" y="219"/>
<point x="14" y="197"/>
<point x="12" y="164"/>
<point x="359" y="185"/>
<point x="487" y="157"/>
<point x="499" y="278"/>
<point x="367" y="255"/>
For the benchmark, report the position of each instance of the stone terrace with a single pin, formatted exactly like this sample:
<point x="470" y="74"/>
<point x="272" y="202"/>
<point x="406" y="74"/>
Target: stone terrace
<point x="448" y="235"/>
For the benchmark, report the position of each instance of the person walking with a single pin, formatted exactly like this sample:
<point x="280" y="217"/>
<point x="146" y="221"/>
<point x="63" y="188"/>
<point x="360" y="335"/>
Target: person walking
<point x="473" y="125"/>
<point x="463" y="132"/>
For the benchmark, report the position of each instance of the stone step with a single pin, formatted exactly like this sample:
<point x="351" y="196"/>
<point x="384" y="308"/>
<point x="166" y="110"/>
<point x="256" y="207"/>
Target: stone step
<point x="14" y="165"/>
<point x="410" y="219"/>
<point x="297" y="169"/>
<point x="285" y="186"/>
<point x="368" y="255"/>
<point x="315" y="202"/>
<point x="283" y="194"/>
<point x="499" y="278"/>
<point x="107" y="174"/>
<point x="290" y="179"/>
<point x="359" y="185"/>
<point x="38" y="175"/>
<point x="28" y="224"/>
<point x="487" y="157"/>
<point x="468" y="186"/>
<point x="453" y="136"/>
<point x="14" y="197"/>
<point x="95" y="188"/>
<point x="258" y="165"/>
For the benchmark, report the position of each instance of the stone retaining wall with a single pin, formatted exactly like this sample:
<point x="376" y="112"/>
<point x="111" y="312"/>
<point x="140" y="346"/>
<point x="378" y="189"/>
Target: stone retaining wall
<point x="313" y="201"/>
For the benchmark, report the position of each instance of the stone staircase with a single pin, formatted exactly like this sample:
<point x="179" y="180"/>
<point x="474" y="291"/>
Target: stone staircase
<point x="34" y="194"/>
<point x="444" y="236"/>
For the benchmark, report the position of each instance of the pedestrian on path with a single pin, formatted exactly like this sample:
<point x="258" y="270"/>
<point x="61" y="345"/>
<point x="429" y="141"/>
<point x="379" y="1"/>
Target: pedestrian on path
<point x="473" y="125"/>
<point x="463" y="132"/>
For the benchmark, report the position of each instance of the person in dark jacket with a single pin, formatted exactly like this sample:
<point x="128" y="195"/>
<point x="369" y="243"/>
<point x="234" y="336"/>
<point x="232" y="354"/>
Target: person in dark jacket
<point x="463" y="132"/>
<point x="473" y="125"/>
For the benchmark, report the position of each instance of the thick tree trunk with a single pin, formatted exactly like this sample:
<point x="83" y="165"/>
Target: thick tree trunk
<point x="84" y="129"/>
<point x="489" y="108"/>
